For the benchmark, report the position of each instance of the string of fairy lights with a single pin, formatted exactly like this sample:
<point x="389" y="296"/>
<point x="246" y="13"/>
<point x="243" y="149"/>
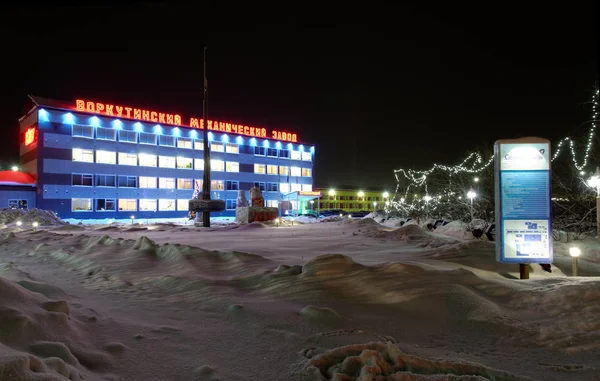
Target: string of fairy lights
<point x="474" y="164"/>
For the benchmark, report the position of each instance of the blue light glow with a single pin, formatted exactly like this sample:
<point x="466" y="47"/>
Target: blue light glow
<point x="265" y="143"/>
<point x="68" y="118"/>
<point x="43" y="115"/>
<point x="312" y="149"/>
<point x="278" y="145"/>
<point x="138" y="127"/>
<point x="194" y="134"/>
<point x="239" y="140"/>
<point x="211" y="136"/>
<point x="225" y="138"/>
<point x="176" y="132"/>
<point x="117" y="124"/>
<point x="95" y="121"/>
<point x="301" y="148"/>
<point x="290" y="146"/>
<point x="253" y="142"/>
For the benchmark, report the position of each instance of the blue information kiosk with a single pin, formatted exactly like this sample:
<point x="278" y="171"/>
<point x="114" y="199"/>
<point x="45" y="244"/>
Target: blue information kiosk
<point x="523" y="205"/>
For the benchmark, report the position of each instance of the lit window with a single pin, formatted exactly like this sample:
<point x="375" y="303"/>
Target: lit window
<point x="166" y="161"/>
<point x="271" y="169"/>
<point x="217" y="185"/>
<point x="147" y="182"/>
<point x="166" y="183"/>
<point x="217" y="147"/>
<point x="295" y="171"/>
<point x="166" y="141"/>
<point x="81" y="204"/>
<point x="184" y="143"/>
<point x="106" y="157"/>
<point x="106" y="205"/>
<point x="284" y="170"/>
<point x="217" y="165"/>
<point x="295" y="187"/>
<point x="147" y="138"/>
<point x="184" y="183"/>
<point x="272" y="152"/>
<point x="307" y="187"/>
<point x="230" y="204"/>
<point x="232" y="166"/>
<point x="232" y="148"/>
<point x="306" y="156"/>
<point x="85" y="155"/>
<point x="82" y="180"/>
<point x="184" y="162"/>
<point x="147" y="205"/>
<point x="284" y="188"/>
<point x="232" y="185"/>
<point x="106" y="134"/>
<point x="127" y="136"/>
<point x="272" y="204"/>
<point x="106" y="181"/>
<point x="183" y="204"/>
<point x="147" y="160"/>
<point x="259" y="169"/>
<point x="166" y="205"/>
<point x="127" y="204"/>
<point x="306" y="172"/>
<point x="127" y="158"/>
<point x="295" y="155"/>
<point x="199" y="144"/>
<point x="83" y="131"/>
<point x="199" y="164"/>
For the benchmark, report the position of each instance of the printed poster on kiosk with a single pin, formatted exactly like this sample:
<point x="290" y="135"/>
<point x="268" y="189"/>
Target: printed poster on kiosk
<point x="523" y="204"/>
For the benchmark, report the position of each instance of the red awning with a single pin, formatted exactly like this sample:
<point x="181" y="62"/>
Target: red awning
<point x="16" y="178"/>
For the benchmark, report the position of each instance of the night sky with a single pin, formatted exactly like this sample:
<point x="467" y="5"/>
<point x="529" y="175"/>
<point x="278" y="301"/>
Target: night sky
<point x="373" y="90"/>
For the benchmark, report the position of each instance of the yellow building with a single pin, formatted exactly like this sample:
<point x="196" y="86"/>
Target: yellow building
<point x="353" y="200"/>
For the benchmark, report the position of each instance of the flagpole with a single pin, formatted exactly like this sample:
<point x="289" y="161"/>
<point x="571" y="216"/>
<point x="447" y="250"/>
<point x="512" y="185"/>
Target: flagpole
<point x="206" y="146"/>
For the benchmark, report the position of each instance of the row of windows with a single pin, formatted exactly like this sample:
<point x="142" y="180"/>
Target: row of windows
<point x="188" y="143"/>
<point x="352" y="198"/>
<point x="332" y="205"/>
<point x="142" y="204"/>
<point x="148" y="160"/>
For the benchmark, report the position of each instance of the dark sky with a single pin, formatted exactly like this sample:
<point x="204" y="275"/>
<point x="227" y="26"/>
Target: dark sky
<point x="374" y="89"/>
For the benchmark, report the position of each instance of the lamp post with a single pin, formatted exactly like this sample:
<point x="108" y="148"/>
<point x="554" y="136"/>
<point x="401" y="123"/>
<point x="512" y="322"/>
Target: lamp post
<point x="594" y="182"/>
<point x="374" y="206"/>
<point x="471" y="195"/>
<point x="575" y="253"/>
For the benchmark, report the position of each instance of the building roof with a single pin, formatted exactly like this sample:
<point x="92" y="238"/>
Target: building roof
<point x="16" y="178"/>
<point x="46" y="102"/>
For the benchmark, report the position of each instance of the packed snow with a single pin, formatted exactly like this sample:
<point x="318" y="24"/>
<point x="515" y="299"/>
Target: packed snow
<point x="302" y="299"/>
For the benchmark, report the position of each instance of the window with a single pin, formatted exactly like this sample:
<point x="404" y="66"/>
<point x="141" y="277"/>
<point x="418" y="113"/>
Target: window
<point x="295" y="187"/>
<point x="83" y="131"/>
<point x="106" y="134"/>
<point x="284" y="153"/>
<point x="217" y="147"/>
<point x="127" y="136"/>
<point x="217" y="185"/>
<point x="272" y="204"/>
<point x="184" y="143"/>
<point x="295" y="171"/>
<point x="147" y="160"/>
<point x="85" y="155"/>
<point x="184" y="183"/>
<point x="184" y="162"/>
<point x="259" y="151"/>
<point x="183" y="204"/>
<point x="166" y="161"/>
<point x="127" y="158"/>
<point x="106" y="157"/>
<point x="295" y="155"/>
<point x="147" y="182"/>
<point x="127" y="204"/>
<point x="166" y="141"/>
<point x="306" y="156"/>
<point x="284" y="187"/>
<point x="217" y="165"/>
<point x="259" y="168"/>
<point x="285" y="171"/>
<point x="306" y="172"/>
<point x="147" y="205"/>
<point x="147" y="138"/>
<point x="82" y="180"/>
<point x="230" y="204"/>
<point x="260" y="185"/>
<point x="81" y="204"/>
<point x="199" y="164"/>
<point x="199" y="144"/>
<point x="166" y="205"/>
<point x="17" y="204"/>
<point x="232" y="148"/>
<point x="307" y="187"/>
<point x="272" y="152"/>
<point x="232" y="185"/>
<point x="166" y="182"/>
<point x="127" y="182"/>
<point x="272" y="187"/>
<point x="106" y="180"/>
<point x="106" y="205"/>
<point x="271" y="169"/>
<point x="232" y="166"/>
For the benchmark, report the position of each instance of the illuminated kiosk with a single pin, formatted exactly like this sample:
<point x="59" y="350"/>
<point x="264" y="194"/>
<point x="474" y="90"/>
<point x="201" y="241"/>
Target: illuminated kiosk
<point x="523" y="206"/>
<point x="295" y="203"/>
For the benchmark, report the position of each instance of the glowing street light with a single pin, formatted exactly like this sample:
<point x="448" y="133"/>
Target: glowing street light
<point x="386" y="195"/>
<point x="332" y="192"/>
<point x="476" y="179"/>
<point x="361" y="194"/>
<point x="575" y="253"/>
<point x="427" y="198"/>
<point x="471" y="195"/>
<point x="15" y="168"/>
<point x="19" y="223"/>
<point x="35" y="224"/>
<point x="594" y="182"/>
<point x="374" y="205"/>
<point x="132" y="218"/>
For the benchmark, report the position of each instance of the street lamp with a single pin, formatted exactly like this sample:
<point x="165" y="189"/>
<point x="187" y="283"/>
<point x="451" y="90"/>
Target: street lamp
<point x="375" y="205"/>
<point x="15" y="168"/>
<point x="476" y="179"/>
<point x="575" y="253"/>
<point x="594" y="182"/>
<point x="332" y="194"/>
<point x="471" y="195"/>
<point x="386" y="195"/>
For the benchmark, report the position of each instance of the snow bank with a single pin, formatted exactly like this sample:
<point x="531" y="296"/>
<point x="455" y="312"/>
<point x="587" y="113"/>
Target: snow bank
<point x="29" y="216"/>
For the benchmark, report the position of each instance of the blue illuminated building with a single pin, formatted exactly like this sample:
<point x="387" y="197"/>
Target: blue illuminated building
<point x="90" y="165"/>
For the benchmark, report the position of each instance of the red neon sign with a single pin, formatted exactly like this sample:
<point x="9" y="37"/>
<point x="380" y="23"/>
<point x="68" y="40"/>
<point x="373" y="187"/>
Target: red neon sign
<point x="30" y="136"/>
<point x="175" y="119"/>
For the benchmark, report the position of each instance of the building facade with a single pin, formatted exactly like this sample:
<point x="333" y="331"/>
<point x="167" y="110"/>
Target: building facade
<point x="95" y="160"/>
<point x="353" y="200"/>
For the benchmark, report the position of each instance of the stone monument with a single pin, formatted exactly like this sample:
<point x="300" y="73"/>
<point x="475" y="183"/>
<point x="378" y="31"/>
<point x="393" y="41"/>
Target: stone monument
<point x="256" y="211"/>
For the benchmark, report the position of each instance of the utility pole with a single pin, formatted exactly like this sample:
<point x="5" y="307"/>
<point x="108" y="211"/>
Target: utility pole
<point x="206" y="145"/>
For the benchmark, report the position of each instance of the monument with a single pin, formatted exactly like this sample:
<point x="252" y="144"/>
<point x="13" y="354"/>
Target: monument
<point x="256" y="211"/>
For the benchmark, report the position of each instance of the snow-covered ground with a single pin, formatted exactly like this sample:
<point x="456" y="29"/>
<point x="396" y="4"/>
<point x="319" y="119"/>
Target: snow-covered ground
<point x="339" y="299"/>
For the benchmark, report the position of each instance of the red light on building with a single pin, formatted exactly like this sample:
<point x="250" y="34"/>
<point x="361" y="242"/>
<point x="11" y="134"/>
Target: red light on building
<point x="30" y="136"/>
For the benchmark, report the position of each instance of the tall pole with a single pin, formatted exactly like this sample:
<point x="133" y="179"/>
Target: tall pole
<point x="206" y="145"/>
<point x="598" y="208"/>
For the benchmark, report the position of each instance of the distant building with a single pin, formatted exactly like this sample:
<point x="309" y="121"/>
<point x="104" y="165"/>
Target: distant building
<point x="96" y="160"/>
<point x="352" y="200"/>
